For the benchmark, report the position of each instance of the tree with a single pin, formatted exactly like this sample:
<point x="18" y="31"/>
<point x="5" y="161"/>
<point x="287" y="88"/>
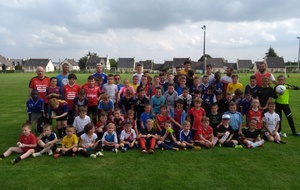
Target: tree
<point x="206" y="55"/>
<point x="82" y="61"/>
<point x="113" y="63"/>
<point x="271" y="52"/>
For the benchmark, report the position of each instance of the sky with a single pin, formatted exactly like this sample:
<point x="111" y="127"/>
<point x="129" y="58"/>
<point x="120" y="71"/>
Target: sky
<point x="156" y="30"/>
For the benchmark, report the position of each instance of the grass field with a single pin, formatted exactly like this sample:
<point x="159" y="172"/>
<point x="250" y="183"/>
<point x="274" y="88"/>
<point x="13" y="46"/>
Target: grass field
<point x="272" y="167"/>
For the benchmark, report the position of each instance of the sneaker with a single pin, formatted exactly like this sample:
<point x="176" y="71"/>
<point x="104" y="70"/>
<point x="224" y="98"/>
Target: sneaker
<point x="278" y="142"/>
<point x="56" y="155"/>
<point x="36" y="154"/>
<point x="124" y="149"/>
<point x="197" y="148"/>
<point x="220" y="145"/>
<point x="283" y="135"/>
<point x="50" y="152"/>
<point x="115" y="150"/>
<point x="156" y="146"/>
<point x="151" y="151"/>
<point x="144" y="151"/>
<point x="281" y="142"/>
<point x="296" y="133"/>
<point x="162" y="148"/>
<point x="93" y="156"/>
<point x="100" y="154"/>
<point x="238" y="146"/>
<point x="184" y="149"/>
<point x="13" y="161"/>
<point x="176" y="149"/>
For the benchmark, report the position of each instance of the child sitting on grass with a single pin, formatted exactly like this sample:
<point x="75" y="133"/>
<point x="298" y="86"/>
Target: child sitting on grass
<point x="110" y="139"/>
<point x="148" y="136"/>
<point x="186" y="137"/>
<point x="25" y="146"/>
<point x="251" y="136"/>
<point x="127" y="137"/>
<point x="46" y="141"/>
<point x="167" y="140"/>
<point x="271" y="124"/>
<point x="225" y="133"/>
<point x="88" y="142"/>
<point x="206" y="134"/>
<point x="69" y="143"/>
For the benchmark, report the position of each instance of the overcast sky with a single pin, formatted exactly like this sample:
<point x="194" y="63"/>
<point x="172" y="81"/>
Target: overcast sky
<point x="153" y="29"/>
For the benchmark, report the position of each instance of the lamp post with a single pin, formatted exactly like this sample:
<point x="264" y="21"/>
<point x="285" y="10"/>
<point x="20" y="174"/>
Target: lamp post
<point x="298" y="51"/>
<point x="204" y="60"/>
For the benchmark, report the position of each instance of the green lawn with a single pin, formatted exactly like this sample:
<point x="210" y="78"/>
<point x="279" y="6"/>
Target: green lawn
<point x="272" y="167"/>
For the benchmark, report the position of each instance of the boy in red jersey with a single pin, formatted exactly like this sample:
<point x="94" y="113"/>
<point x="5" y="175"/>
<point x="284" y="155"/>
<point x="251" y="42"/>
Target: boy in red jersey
<point x="53" y="90"/>
<point x="40" y="83"/>
<point x="205" y="134"/>
<point x="70" y="91"/>
<point x="26" y="145"/>
<point x="93" y="94"/>
<point x="255" y="113"/>
<point x="195" y="115"/>
<point x="162" y="117"/>
<point x="179" y="115"/>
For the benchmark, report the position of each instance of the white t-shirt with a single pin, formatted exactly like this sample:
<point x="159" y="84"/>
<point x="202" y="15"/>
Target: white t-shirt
<point x="128" y="136"/>
<point x="111" y="90"/>
<point x="271" y="120"/>
<point x="88" y="140"/>
<point x="226" y="79"/>
<point x="80" y="123"/>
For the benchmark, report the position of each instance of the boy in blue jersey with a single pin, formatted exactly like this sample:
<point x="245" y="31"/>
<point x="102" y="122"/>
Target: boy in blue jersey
<point x="35" y="107"/>
<point x="186" y="137"/>
<point x="157" y="100"/>
<point x="167" y="140"/>
<point x="147" y="114"/>
<point x="46" y="141"/>
<point x="236" y="120"/>
<point x="110" y="139"/>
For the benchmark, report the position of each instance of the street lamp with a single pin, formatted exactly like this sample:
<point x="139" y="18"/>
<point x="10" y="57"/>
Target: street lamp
<point x="298" y="52"/>
<point x="204" y="60"/>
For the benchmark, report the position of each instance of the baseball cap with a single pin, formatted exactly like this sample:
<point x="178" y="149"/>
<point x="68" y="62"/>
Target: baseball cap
<point x="225" y="116"/>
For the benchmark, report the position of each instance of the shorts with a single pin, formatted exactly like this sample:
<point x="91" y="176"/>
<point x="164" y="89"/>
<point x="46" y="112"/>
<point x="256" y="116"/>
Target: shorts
<point x="65" y="118"/>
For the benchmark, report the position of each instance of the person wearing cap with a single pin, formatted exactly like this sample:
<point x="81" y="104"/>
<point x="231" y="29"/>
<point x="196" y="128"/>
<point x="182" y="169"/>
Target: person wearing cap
<point x="236" y="120"/>
<point x="127" y="137"/>
<point x="225" y="133"/>
<point x="100" y="73"/>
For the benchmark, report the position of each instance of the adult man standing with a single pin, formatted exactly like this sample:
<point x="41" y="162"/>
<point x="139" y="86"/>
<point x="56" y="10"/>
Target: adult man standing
<point x="100" y="73"/>
<point x="40" y="83"/>
<point x="139" y="72"/>
<point x="227" y="78"/>
<point x="262" y="72"/>
<point x="62" y="79"/>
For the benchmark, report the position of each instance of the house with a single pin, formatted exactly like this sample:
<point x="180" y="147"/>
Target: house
<point x="93" y="61"/>
<point x="275" y="64"/>
<point x="32" y="63"/>
<point x="157" y="67"/>
<point x="230" y="64"/>
<point x="218" y="64"/>
<point x="6" y="62"/>
<point x="197" y="66"/>
<point x="169" y="66"/>
<point x="126" y="65"/>
<point x="73" y="65"/>
<point x="244" y="65"/>
<point x="146" y="65"/>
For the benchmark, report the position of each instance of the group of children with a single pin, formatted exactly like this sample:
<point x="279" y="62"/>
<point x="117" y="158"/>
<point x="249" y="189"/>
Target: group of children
<point x="160" y="114"/>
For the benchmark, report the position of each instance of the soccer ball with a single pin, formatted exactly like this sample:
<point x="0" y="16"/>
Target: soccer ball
<point x="280" y="89"/>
